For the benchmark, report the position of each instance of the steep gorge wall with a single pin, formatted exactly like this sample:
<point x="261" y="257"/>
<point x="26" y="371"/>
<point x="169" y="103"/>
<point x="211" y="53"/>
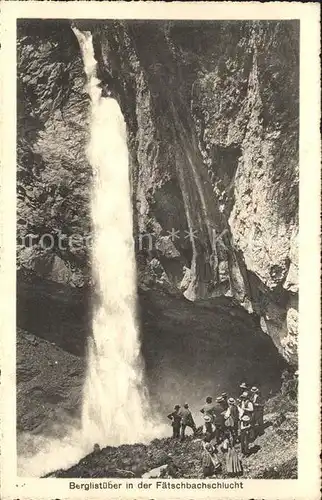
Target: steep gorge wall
<point x="212" y="114"/>
<point x="215" y="146"/>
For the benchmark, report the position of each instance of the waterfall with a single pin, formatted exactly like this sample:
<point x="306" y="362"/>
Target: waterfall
<point x="115" y="409"/>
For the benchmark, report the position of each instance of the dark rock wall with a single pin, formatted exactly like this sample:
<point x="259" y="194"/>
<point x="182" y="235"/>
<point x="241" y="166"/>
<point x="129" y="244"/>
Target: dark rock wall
<point x="212" y="115"/>
<point x="53" y="175"/>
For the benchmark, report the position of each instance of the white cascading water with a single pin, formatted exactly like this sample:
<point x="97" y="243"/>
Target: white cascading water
<point x="115" y="409"/>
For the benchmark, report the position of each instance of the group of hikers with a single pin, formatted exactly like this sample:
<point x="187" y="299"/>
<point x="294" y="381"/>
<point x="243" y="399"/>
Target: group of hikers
<point x="227" y="421"/>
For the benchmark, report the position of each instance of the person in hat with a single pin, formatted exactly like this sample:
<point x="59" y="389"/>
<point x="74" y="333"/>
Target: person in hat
<point x="175" y="418"/>
<point x="240" y="412"/>
<point x="245" y="428"/>
<point x="208" y="428"/>
<point x="248" y="409"/>
<point x="219" y="419"/>
<point x="208" y="468"/>
<point x="210" y="461"/>
<point x="233" y="463"/>
<point x="243" y="387"/>
<point x="258" y="415"/>
<point x="206" y="460"/>
<point x="209" y="407"/>
<point x="228" y="418"/>
<point x="186" y="420"/>
<point x="232" y="418"/>
<point x="246" y="404"/>
<point x="221" y="402"/>
<point x="224" y="403"/>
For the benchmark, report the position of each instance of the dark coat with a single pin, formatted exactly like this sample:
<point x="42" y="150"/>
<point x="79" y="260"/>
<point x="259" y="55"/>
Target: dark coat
<point x="175" y="417"/>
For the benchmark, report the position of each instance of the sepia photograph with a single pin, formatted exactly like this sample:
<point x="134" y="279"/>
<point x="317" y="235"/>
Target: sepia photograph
<point x="157" y="212"/>
<point x="157" y="222"/>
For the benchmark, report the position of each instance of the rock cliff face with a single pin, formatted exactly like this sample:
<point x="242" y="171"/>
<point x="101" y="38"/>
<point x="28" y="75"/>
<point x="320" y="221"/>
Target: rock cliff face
<point x="212" y="115"/>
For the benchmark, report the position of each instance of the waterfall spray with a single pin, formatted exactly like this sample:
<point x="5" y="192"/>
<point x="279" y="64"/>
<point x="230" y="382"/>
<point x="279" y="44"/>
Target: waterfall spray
<point x="115" y="408"/>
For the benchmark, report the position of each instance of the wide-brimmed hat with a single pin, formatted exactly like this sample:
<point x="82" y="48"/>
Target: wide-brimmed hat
<point x="244" y="395"/>
<point x="176" y="407"/>
<point x="245" y="418"/>
<point x="243" y="385"/>
<point x="254" y="389"/>
<point x="231" y="400"/>
<point x="207" y="418"/>
<point x="219" y="399"/>
<point x="224" y="395"/>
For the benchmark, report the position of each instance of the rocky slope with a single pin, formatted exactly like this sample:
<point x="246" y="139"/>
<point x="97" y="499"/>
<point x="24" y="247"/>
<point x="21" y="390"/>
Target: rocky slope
<point x="49" y="384"/>
<point x="272" y="456"/>
<point x="212" y="115"/>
